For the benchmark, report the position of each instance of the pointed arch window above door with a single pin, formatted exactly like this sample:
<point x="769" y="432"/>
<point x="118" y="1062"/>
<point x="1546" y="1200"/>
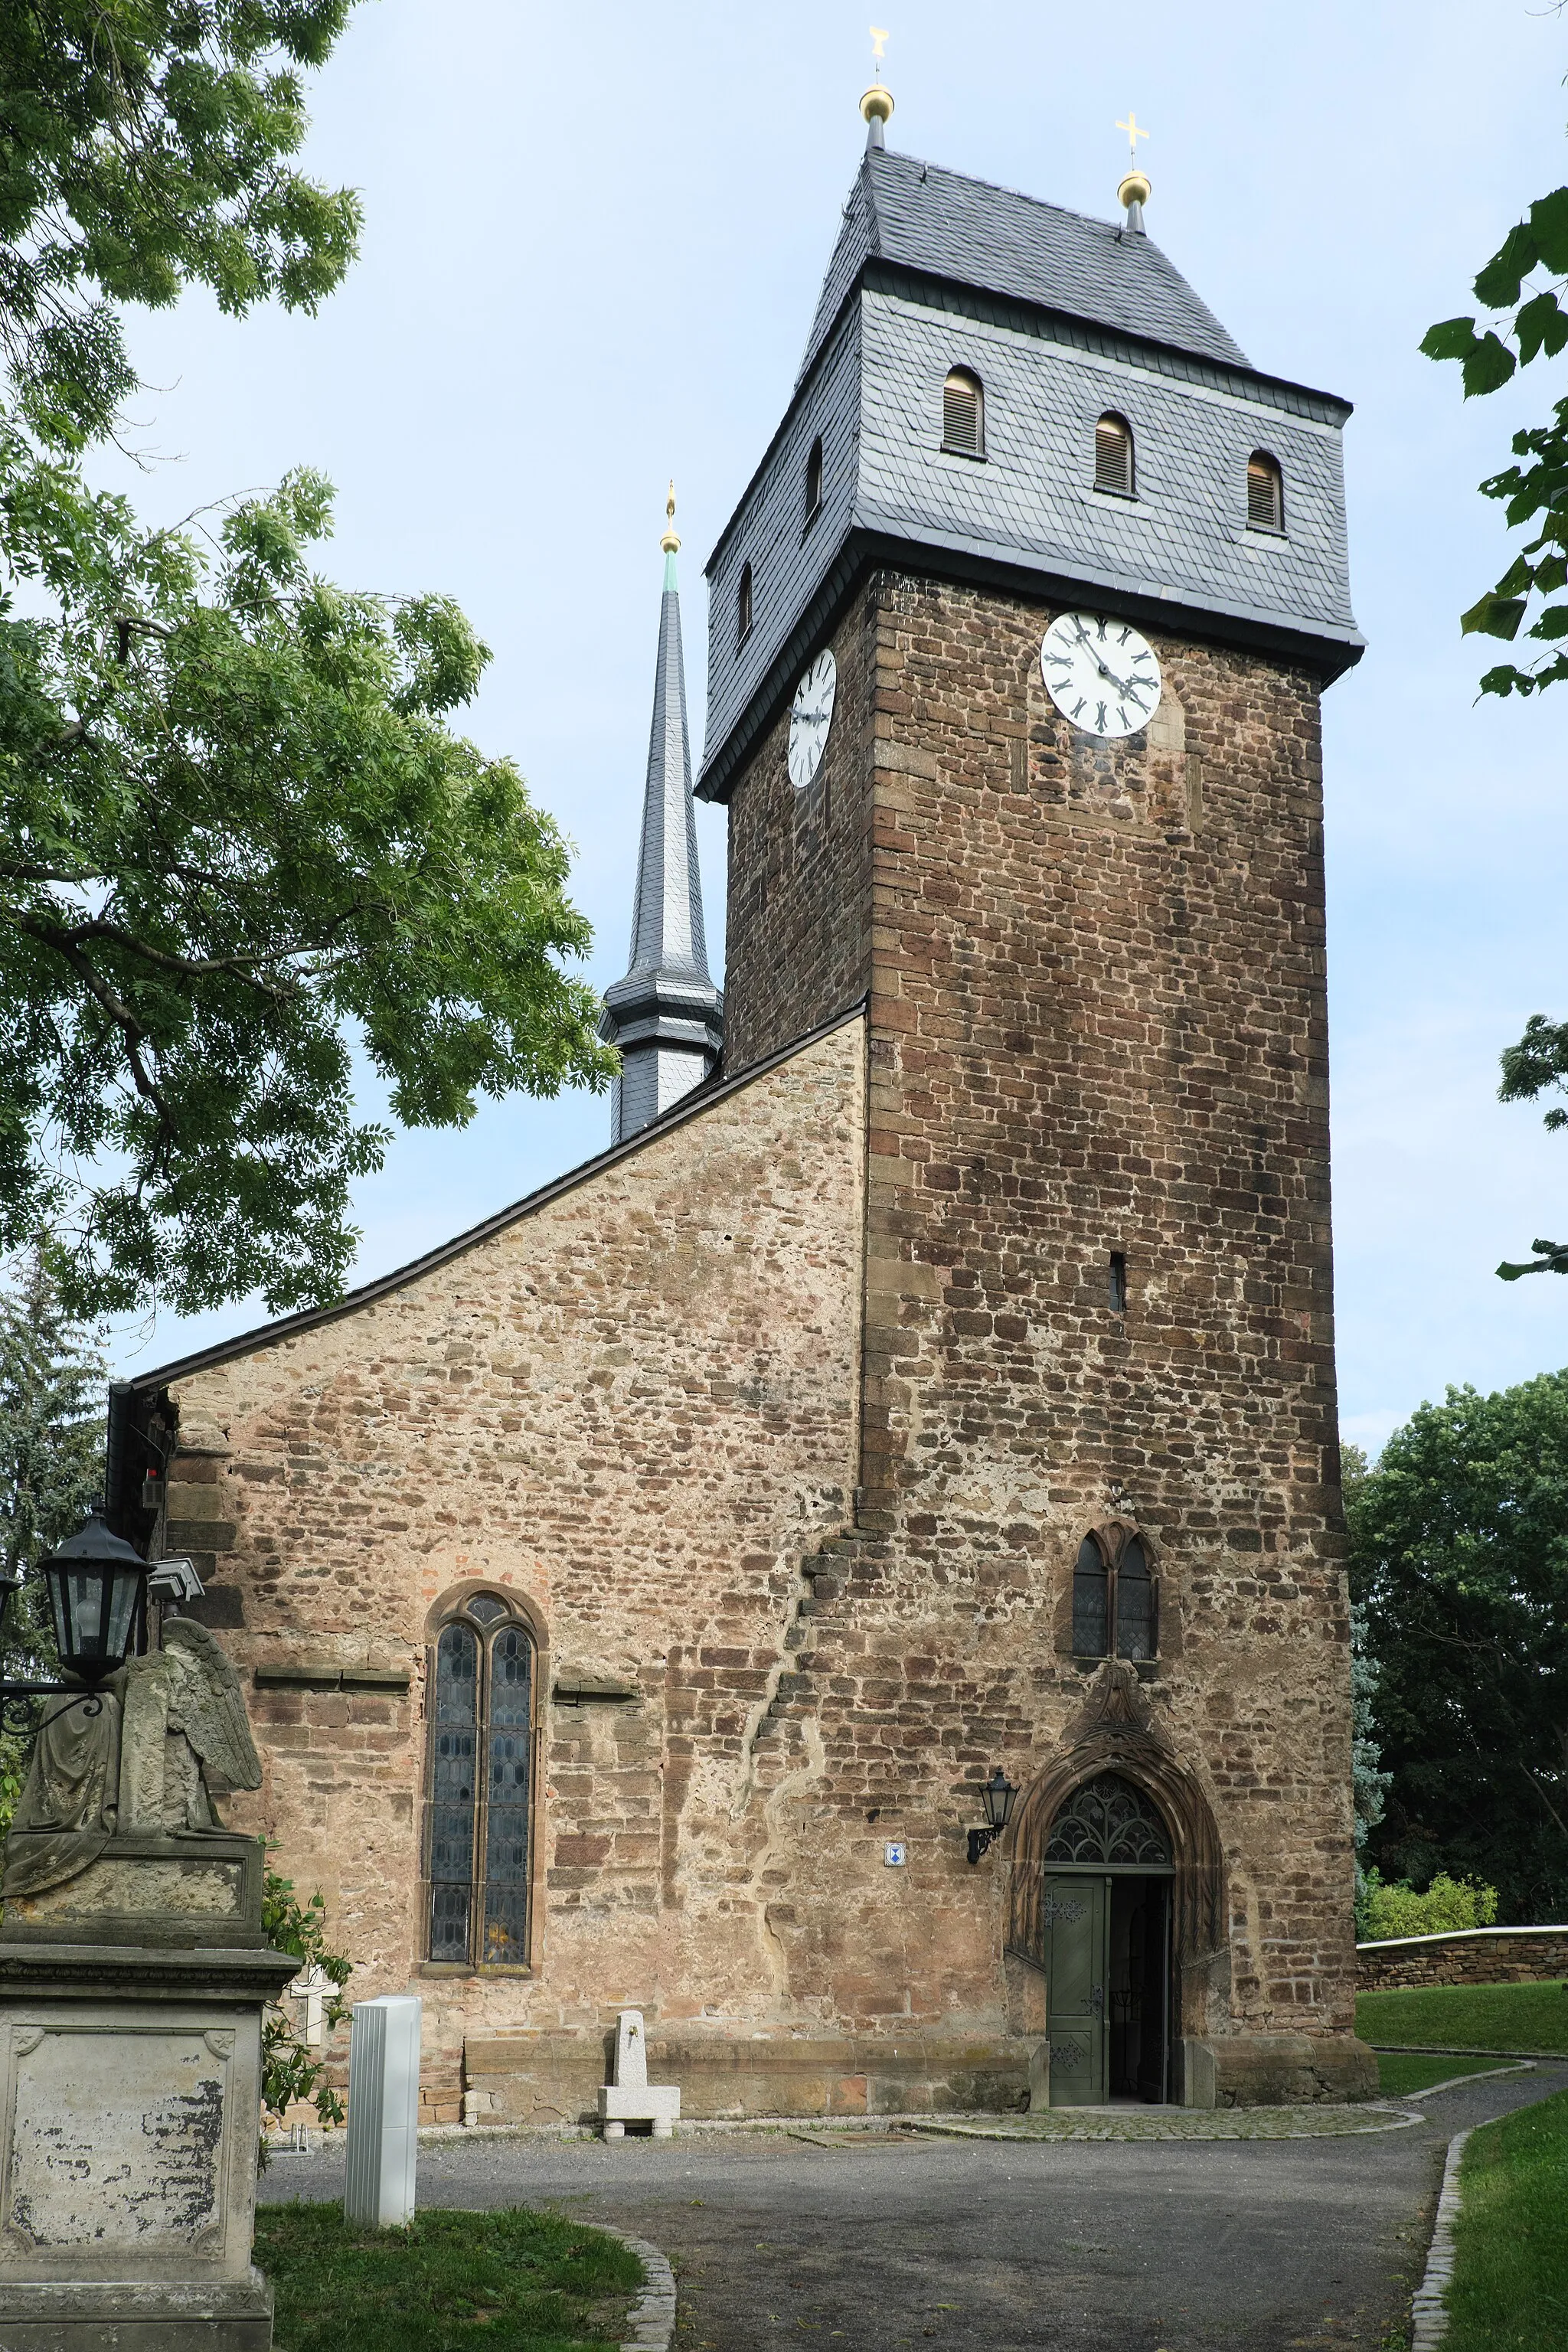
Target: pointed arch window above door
<point x="480" y="1802"/>
<point x="1115" y="1602"/>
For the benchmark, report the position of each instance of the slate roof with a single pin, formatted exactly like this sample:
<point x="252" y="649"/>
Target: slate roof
<point x="1062" y="319"/>
<point x="666" y="1014"/>
<point x="922" y="217"/>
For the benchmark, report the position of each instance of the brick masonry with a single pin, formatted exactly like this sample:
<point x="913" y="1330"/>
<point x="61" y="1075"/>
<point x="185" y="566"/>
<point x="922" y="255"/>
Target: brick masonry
<point x="1486" y="1956"/>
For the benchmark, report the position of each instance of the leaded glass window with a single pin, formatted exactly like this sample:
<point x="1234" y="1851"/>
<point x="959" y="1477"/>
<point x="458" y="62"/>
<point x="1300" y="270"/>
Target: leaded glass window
<point x="1108" y="1823"/>
<point x="480" y="1801"/>
<point x="1113" y="1593"/>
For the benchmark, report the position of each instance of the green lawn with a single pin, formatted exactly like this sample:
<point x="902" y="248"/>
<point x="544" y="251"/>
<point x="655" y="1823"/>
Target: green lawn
<point x="1510" y="2289"/>
<point x="1469" y="2017"/>
<point x="512" y="2281"/>
<point x="1400" y="2071"/>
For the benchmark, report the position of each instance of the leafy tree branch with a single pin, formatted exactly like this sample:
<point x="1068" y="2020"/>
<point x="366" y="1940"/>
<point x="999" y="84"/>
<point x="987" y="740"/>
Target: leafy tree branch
<point x="254" y="839"/>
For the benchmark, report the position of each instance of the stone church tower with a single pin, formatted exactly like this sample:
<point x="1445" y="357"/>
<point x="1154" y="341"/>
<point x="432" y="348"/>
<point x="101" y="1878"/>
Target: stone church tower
<point x="638" y="1592"/>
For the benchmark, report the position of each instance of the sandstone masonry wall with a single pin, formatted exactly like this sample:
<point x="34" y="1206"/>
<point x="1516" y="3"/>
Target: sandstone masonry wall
<point x="1098" y="1022"/>
<point x="634" y="1408"/>
<point x="1484" y="1956"/>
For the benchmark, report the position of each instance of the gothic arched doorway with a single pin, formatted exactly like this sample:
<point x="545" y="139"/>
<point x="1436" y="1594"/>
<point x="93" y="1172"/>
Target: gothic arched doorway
<point x="1105" y="1930"/>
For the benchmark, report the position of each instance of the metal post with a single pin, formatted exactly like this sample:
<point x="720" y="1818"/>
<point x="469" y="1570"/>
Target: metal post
<point x="383" y="2111"/>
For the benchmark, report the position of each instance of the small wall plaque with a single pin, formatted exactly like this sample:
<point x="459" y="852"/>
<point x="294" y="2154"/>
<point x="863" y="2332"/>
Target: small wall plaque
<point x="894" y="1856"/>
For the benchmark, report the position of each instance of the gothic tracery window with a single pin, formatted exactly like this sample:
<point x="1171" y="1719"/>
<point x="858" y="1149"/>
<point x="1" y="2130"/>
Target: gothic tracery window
<point x="1108" y="1822"/>
<point x="1113" y="1596"/>
<point x="480" y="1786"/>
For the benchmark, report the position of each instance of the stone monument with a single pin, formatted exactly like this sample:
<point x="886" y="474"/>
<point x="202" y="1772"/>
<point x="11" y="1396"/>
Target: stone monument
<point x="134" y="1974"/>
<point x="631" y="2098"/>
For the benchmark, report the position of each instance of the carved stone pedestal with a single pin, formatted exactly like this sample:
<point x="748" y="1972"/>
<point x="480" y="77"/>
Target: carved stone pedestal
<point x="130" y="2084"/>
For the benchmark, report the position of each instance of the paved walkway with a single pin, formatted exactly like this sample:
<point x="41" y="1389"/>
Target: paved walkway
<point x="877" y="2241"/>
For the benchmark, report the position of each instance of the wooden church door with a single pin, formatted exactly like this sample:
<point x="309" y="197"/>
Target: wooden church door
<point x="1076" y="1918"/>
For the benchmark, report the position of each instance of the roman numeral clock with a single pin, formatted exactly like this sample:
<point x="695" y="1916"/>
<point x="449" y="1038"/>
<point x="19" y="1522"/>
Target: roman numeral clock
<point x="1100" y="674"/>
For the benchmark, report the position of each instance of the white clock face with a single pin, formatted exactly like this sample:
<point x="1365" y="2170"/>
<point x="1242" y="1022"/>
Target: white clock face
<point x="1100" y="674"/>
<point x="810" y="719"/>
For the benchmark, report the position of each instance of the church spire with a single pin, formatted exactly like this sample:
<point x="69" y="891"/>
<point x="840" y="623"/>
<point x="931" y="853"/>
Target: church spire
<point x="666" y="1016"/>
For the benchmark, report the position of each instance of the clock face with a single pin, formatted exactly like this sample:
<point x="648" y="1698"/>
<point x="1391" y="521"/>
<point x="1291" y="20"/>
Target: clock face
<point x="810" y="719"/>
<point x="1100" y="674"/>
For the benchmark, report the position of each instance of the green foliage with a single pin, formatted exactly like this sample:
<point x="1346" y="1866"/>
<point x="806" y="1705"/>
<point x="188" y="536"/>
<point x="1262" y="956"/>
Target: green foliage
<point x="51" y="1465"/>
<point x="1509" y="2292"/>
<point x="291" y="2070"/>
<point x="145" y="149"/>
<point x="1448" y="1906"/>
<point x="1534" y="491"/>
<point x="517" y="2281"/>
<point x="235" y="830"/>
<point x="1503" y="2019"/>
<point x="1399" y="2073"/>
<point x="1459" y="1557"/>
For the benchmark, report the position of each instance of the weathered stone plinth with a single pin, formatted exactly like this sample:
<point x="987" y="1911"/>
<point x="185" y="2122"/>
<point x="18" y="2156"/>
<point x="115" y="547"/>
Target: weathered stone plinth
<point x="130" y="2083"/>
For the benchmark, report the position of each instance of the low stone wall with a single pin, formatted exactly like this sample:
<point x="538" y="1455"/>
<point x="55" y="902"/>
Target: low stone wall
<point x="1472" y="1956"/>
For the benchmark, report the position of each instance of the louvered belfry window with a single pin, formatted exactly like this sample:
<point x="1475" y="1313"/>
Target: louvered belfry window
<point x="480" y="1787"/>
<point x="1265" y="492"/>
<point x="964" y="414"/>
<point x="743" y="607"/>
<point x="814" y="480"/>
<point x="1114" y="456"/>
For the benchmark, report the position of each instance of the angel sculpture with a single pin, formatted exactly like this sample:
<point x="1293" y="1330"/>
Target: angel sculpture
<point x="137" y="1766"/>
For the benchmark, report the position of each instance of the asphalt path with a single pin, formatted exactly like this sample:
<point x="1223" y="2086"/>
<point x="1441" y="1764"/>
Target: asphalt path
<point x="878" y="2241"/>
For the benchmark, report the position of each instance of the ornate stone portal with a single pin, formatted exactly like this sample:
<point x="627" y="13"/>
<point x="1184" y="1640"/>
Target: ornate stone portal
<point x="133" y="1973"/>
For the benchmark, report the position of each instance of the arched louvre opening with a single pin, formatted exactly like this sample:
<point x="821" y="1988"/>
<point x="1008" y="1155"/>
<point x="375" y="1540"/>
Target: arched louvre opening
<point x="744" y="605"/>
<point x="1113" y="468"/>
<point x="1265" y="492"/>
<point x="963" y="414"/>
<point x="813" y="481"/>
<point x="480" y="1787"/>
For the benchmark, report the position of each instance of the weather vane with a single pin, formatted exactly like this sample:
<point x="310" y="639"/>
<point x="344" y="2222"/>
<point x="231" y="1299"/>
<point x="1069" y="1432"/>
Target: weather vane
<point x="878" y="103"/>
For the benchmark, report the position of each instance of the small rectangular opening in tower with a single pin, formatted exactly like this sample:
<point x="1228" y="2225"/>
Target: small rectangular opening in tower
<point x="1119" y="1282"/>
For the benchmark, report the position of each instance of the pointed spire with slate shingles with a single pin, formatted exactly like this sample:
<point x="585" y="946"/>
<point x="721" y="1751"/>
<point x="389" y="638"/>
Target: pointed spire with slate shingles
<point x="666" y="1016"/>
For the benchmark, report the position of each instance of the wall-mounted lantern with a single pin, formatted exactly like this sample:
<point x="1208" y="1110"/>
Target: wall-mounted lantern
<point x="999" y="1795"/>
<point x="96" y="1585"/>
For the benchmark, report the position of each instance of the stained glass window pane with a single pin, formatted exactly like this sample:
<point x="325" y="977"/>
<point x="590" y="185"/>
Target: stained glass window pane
<point x="1090" y="1625"/>
<point x="486" y="1608"/>
<point x="1134" y="1603"/>
<point x="453" y="1793"/>
<point x="506" y="1839"/>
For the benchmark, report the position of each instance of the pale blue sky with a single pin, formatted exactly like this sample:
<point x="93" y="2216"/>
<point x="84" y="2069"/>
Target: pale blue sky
<point x="593" y="246"/>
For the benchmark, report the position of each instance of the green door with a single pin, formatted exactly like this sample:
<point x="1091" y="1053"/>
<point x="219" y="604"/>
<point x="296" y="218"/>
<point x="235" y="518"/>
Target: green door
<point x="1077" y="1923"/>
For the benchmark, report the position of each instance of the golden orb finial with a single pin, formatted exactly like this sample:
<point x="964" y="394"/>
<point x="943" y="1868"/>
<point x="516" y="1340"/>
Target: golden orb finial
<point x="876" y="105"/>
<point x="1134" y="191"/>
<point x="670" y="543"/>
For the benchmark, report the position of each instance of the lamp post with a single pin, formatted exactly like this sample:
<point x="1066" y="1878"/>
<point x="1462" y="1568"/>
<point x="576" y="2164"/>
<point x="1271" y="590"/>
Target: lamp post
<point x="999" y="1795"/>
<point x="97" y="1587"/>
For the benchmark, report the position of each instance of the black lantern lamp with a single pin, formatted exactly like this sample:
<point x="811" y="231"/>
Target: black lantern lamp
<point x="999" y="1795"/>
<point x="96" y="1585"/>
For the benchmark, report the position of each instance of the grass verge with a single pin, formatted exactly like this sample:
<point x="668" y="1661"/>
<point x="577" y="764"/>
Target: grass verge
<point x="1400" y="2071"/>
<point x="1510" y="2288"/>
<point x="513" y="2281"/>
<point x="1477" y="2017"/>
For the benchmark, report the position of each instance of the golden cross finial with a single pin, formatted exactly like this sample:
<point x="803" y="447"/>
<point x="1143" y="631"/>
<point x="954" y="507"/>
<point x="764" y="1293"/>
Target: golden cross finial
<point x="1135" y="132"/>
<point x="879" y="43"/>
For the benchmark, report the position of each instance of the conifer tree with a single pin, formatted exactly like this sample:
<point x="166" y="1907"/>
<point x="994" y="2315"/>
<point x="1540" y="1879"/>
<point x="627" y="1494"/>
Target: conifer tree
<point x="51" y="1442"/>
